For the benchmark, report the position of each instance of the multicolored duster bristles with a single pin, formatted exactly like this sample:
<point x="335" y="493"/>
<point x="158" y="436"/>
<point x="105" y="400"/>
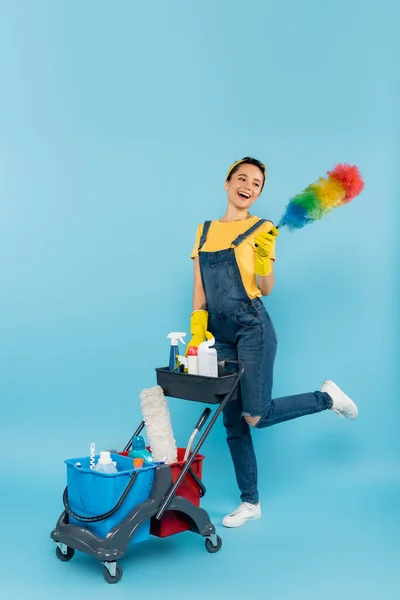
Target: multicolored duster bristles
<point x="343" y="183"/>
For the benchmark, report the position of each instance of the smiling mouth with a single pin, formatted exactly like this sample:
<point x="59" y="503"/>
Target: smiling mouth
<point x="243" y="195"/>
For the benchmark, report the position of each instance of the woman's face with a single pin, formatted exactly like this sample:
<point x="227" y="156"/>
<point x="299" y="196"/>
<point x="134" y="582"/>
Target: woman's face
<point x="245" y="186"/>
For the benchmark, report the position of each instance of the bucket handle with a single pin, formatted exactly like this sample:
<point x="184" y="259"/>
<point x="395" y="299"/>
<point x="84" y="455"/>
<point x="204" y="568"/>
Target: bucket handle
<point x="196" y="480"/>
<point x="106" y="515"/>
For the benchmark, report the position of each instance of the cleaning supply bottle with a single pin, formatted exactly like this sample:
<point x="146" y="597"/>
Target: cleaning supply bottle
<point x="183" y="363"/>
<point x="207" y="359"/>
<point x="174" y="351"/>
<point x="139" y="450"/>
<point x="105" y="464"/>
<point x="192" y="360"/>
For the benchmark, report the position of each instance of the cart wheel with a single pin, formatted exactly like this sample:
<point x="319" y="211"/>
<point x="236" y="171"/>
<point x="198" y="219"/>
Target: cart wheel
<point x="65" y="557"/>
<point x="109" y="578"/>
<point x="210" y="546"/>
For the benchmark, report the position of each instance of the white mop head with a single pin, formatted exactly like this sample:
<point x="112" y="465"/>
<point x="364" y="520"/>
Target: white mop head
<point x="158" y="425"/>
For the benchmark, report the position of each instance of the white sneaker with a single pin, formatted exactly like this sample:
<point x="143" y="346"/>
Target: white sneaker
<point x="245" y="512"/>
<point x="342" y="404"/>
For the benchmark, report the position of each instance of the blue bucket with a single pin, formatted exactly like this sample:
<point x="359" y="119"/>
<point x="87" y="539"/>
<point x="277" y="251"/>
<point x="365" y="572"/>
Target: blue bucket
<point x="91" y="494"/>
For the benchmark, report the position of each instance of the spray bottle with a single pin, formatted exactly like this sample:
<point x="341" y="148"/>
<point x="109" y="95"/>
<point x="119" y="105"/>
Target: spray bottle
<point x="174" y="351"/>
<point x="183" y="363"/>
<point x="192" y="360"/>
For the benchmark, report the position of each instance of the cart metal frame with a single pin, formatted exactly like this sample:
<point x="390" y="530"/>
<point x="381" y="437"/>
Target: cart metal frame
<point x="70" y="537"/>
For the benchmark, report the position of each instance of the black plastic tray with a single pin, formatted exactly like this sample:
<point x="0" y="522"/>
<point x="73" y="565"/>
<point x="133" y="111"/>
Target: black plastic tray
<point x="210" y="390"/>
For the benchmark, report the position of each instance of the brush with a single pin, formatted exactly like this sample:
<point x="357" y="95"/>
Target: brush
<point x="342" y="184"/>
<point x="158" y="425"/>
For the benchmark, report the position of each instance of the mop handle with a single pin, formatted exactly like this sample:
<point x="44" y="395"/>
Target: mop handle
<point x="189" y="446"/>
<point x="203" y="418"/>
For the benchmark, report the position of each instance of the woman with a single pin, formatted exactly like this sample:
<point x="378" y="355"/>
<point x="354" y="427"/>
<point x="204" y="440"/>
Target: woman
<point x="233" y="266"/>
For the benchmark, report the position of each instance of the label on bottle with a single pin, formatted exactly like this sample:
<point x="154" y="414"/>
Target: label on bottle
<point x="193" y="365"/>
<point x="207" y="360"/>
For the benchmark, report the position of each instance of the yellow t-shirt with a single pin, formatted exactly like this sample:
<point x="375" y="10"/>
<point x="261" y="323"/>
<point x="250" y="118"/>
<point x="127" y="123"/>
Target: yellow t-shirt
<point x="220" y="237"/>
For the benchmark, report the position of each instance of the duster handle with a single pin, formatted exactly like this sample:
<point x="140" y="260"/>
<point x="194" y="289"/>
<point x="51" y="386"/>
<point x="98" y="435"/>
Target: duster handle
<point x="270" y="232"/>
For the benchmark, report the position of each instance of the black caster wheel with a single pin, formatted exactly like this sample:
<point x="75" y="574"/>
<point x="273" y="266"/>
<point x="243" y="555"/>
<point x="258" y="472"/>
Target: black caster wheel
<point x="210" y="546"/>
<point x="109" y="578"/>
<point x="65" y="557"/>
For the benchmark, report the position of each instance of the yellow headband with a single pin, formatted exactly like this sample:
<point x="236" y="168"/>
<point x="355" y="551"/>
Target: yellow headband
<point x="239" y="162"/>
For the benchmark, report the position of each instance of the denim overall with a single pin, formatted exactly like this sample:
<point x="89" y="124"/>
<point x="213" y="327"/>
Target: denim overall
<point x="243" y="331"/>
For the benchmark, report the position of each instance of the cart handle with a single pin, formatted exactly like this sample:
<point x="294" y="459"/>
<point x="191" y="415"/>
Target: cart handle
<point x="191" y="458"/>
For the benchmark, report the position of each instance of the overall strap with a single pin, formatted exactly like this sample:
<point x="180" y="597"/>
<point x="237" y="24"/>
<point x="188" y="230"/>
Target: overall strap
<point x="203" y="238"/>
<point x="246" y="234"/>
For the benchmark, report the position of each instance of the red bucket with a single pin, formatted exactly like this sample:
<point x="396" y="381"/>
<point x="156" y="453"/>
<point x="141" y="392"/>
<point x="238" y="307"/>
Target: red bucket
<point x="173" y="522"/>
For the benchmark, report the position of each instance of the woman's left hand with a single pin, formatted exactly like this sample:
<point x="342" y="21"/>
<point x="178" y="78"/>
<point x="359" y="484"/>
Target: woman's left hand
<point x="264" y="245"/>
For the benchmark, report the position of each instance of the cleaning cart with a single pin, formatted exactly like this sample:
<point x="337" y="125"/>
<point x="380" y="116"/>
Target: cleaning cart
<point x="105" y="513"/>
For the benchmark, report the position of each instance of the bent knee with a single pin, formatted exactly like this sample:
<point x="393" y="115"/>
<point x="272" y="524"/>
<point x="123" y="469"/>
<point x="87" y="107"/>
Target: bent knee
<point x="252" y="421"/>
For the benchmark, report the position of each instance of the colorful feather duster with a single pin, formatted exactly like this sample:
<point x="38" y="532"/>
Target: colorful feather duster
<point x="342" y="184"/>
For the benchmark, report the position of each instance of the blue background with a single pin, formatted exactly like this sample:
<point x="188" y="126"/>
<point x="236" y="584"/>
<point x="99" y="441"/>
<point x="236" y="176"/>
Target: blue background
<point x="118" y="122"/>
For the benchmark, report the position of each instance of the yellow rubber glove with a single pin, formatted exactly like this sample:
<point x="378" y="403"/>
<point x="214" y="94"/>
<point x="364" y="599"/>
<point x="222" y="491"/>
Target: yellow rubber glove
<point x="264" y="245"/>
<point x="198" y="328"/>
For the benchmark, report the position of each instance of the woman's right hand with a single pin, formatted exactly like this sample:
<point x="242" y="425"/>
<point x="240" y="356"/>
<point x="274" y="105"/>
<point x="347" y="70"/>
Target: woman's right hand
<point x="198" y="328"/>
<point x="264" y="244"/>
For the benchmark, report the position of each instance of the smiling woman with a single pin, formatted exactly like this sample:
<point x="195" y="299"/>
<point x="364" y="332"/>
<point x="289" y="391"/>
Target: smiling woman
<point x="233" y="266"/>
<point x="248" y="173"/>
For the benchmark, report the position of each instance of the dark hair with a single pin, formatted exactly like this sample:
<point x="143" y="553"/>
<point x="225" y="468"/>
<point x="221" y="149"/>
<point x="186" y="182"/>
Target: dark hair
<point x="248" y="160"/>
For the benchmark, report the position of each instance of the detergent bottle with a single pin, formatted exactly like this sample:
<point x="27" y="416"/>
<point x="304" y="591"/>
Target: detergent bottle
<point x="174" y="351"/>
<point x="207" y="359"/>
<point x="139" y="450"/>
<point x="105" y="464"/>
